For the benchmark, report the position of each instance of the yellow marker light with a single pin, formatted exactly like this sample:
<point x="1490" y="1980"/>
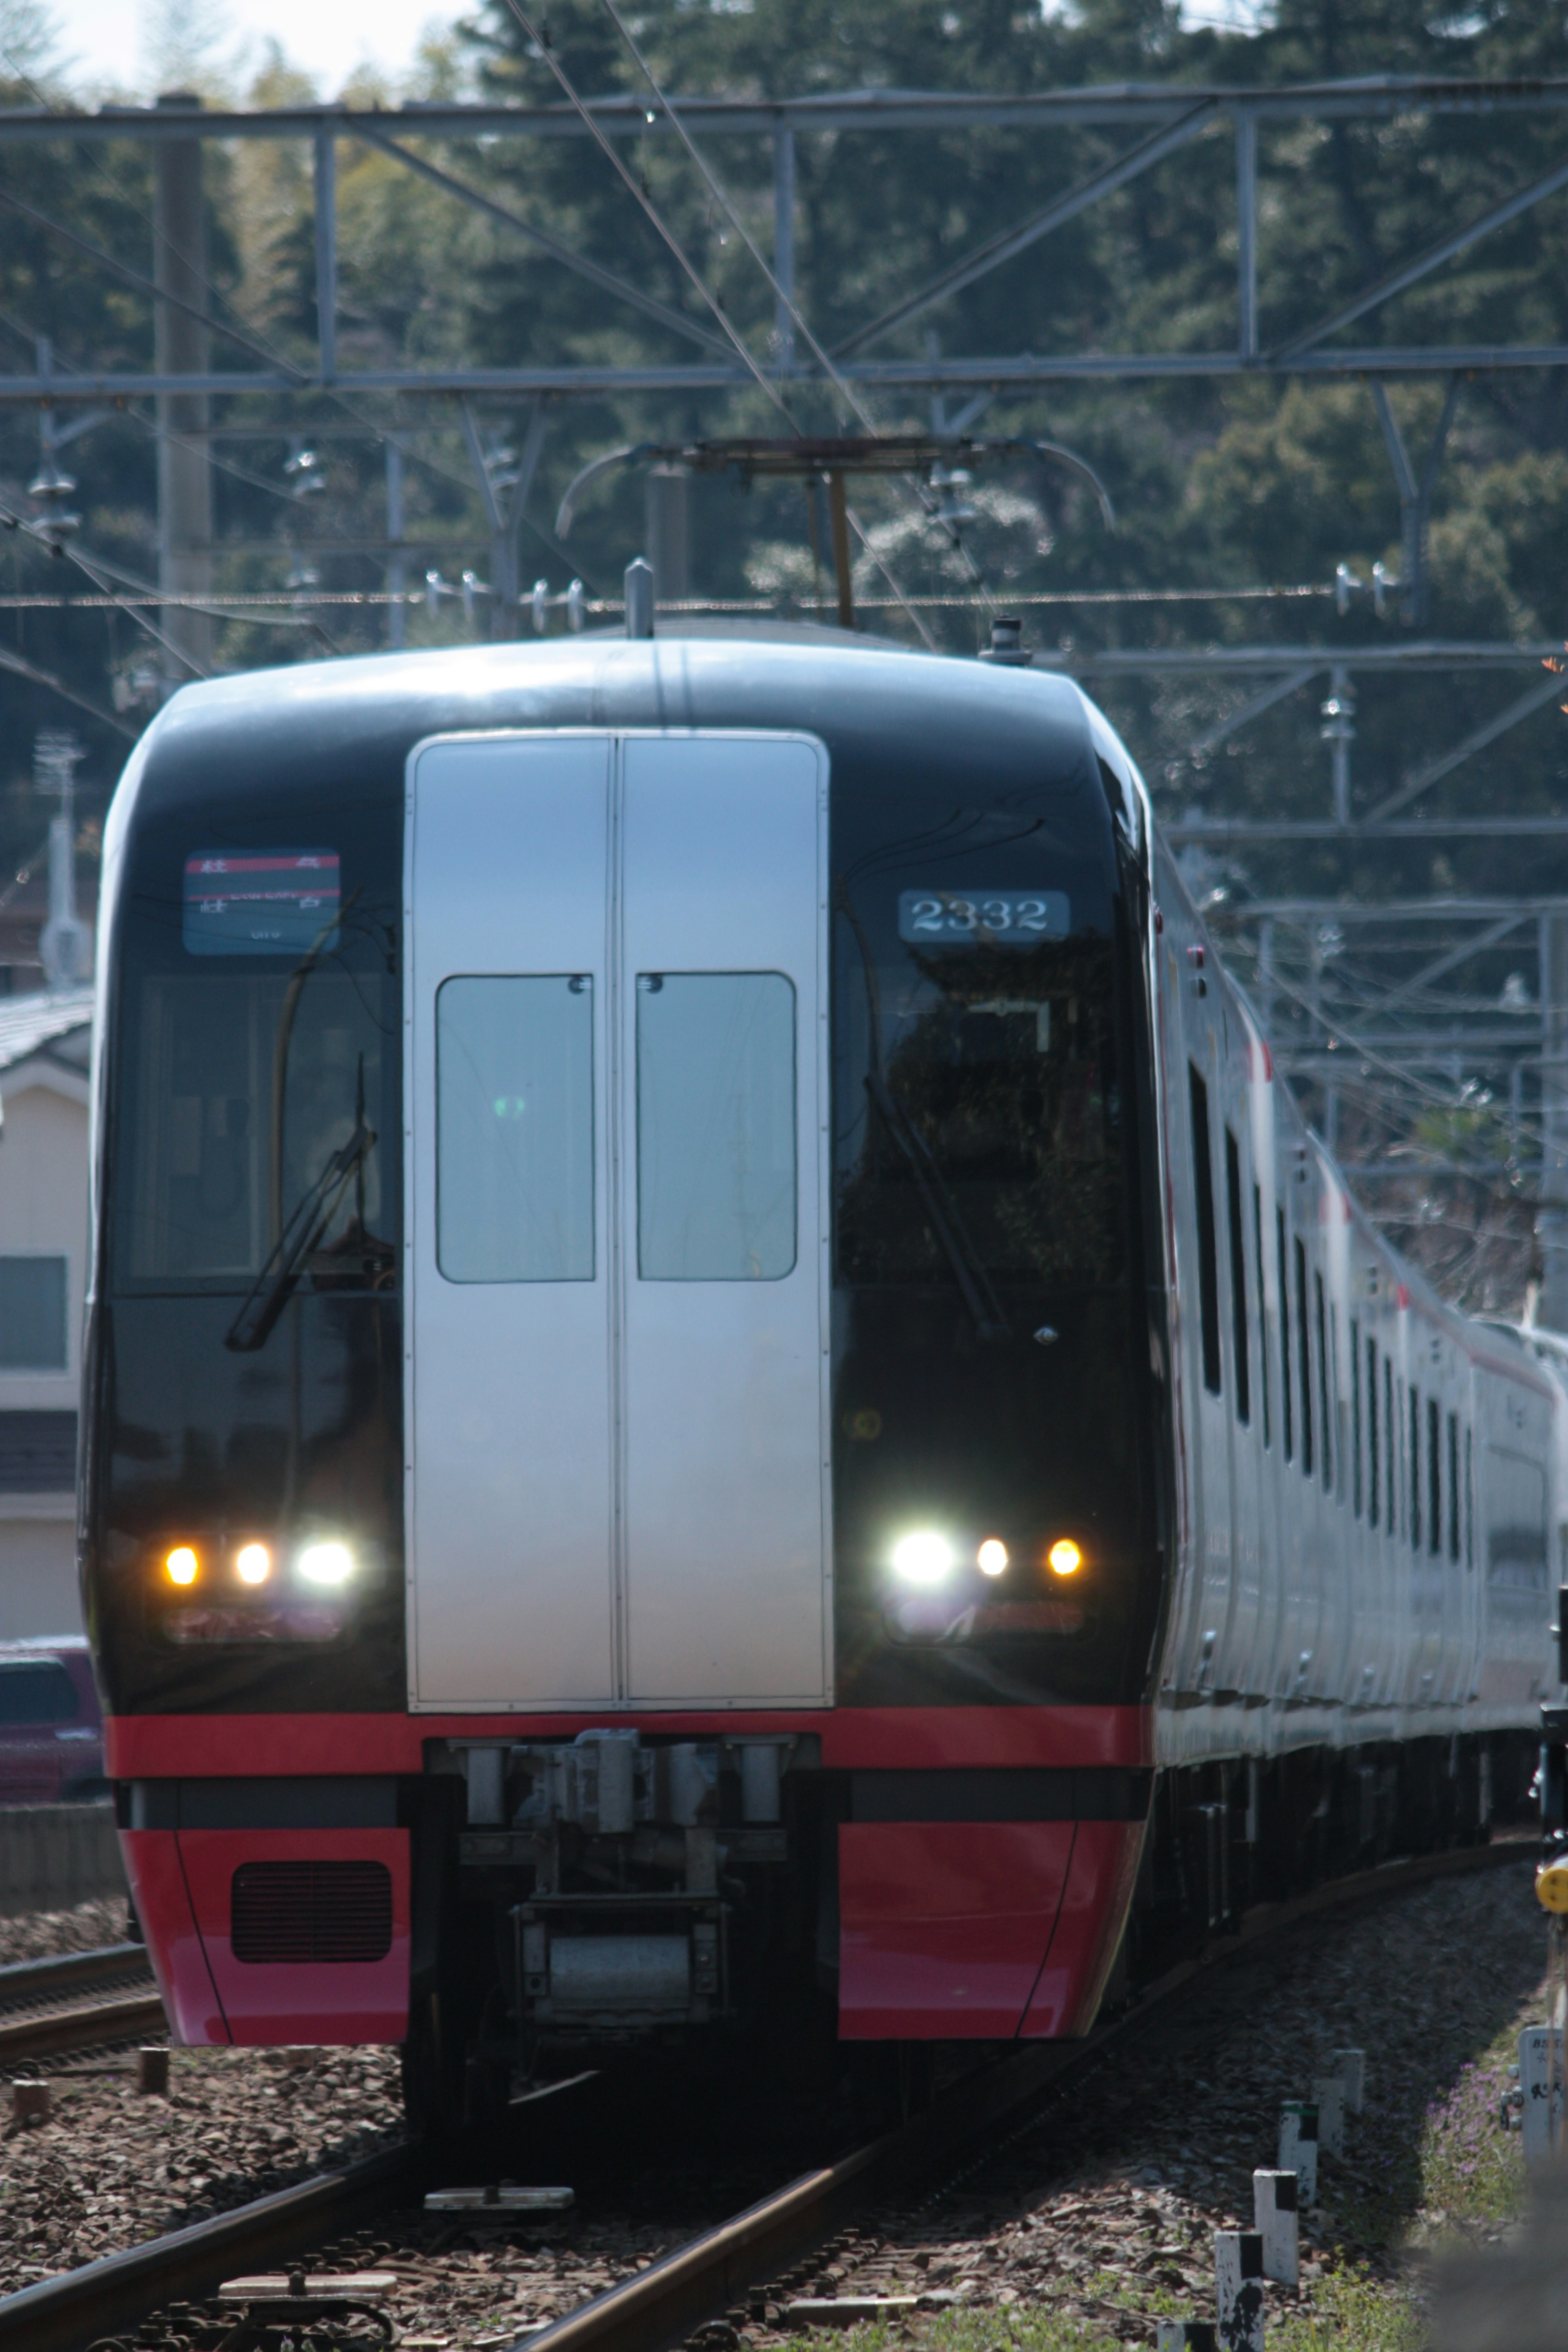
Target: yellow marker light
<point x="1065" y="1557"/>
<point x="924" y="1558"/>
<point x="182" y="1565"/>
<point x="326" y="1563"/>
<point x="254" y="1564"/>
<point x="991" y="1557"/>
<point x="1552" y="1887"/>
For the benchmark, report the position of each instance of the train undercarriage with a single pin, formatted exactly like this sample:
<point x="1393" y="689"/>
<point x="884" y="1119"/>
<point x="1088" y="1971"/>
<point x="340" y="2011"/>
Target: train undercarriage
<point x="575" y="1901"/>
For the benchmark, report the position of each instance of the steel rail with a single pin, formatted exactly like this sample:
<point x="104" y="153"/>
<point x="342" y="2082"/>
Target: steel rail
<point x="50" y="2032"/>
<point x="702" y="2277"/>
<point x="26" y="1979"/>
<point x="117" y="2293"/>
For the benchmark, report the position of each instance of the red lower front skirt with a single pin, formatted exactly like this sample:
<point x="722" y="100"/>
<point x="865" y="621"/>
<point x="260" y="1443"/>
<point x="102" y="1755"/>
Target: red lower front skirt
<point x="971" y="1930"/>
<point x="248" y="1938"/>
<point x="949" y="1929"/>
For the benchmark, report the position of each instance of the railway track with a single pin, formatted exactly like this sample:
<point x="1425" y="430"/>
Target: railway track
<point x="713" y="2271"/>
<point x="77" y="2000"/>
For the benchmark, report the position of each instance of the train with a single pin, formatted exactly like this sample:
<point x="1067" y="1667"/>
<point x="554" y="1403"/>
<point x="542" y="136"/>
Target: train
<point x="721" y="1386"/>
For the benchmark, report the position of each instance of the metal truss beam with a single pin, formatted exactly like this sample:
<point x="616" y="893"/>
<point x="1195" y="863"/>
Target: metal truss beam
<point x="1393" y="910"/>
<point x="1062" y="209"/>
<point x="1377" y="98"/>
<point x="1430" y="770"/>
<point x="621" y="287"/>
<point x="1457" y="1038"/>
<point x="1410" y="272"/>
<point x="1440" y="966"/>
<point x="1221" y="833"/>
<point x="932" y="374"/>
<point x="1427" y="653"/>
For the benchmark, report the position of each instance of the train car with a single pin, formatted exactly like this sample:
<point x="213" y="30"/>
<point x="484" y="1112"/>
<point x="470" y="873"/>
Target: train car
<point x="720" y="1386"/>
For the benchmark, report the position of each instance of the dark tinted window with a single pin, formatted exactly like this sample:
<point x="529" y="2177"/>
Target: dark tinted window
<point x="978" y="1117"/>
<point x="1355" y="1416"/>
<point x="1262" y="1314"/>
<point x="1304" y="1341"/>
<point x="1284" y="1336"/>
<point x="1372" y="1426"/>
<point x="1208" y="1256"/>
<point x="1237" y="1278"/>
<point x="1327" y="1416"/>
<point x="35" y="1690"/>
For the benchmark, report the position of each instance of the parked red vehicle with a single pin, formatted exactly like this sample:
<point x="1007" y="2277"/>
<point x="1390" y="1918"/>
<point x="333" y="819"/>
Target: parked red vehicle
<point x="51" y="1725"/>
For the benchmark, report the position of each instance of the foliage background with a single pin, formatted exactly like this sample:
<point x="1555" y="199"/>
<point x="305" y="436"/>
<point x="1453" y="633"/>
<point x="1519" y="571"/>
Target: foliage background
<point x="1228" y="484"/>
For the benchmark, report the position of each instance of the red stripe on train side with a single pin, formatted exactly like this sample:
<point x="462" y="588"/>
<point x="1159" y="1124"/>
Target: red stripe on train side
<point x="207" y="1746"/>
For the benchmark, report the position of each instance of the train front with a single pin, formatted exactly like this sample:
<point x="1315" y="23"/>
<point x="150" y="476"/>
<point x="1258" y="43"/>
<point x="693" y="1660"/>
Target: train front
<point x="623" y="1435"/>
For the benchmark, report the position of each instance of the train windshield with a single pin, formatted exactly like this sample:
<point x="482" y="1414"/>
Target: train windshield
<point x="982" y="1139"/>
<point x="256" y="1128"/>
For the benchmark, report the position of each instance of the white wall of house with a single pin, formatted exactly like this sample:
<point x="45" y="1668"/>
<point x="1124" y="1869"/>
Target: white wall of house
<point x="43" y="1215"/>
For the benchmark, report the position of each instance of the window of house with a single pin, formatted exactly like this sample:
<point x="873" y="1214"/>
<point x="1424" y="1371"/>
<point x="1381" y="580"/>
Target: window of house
<point x="32" y="1314"/>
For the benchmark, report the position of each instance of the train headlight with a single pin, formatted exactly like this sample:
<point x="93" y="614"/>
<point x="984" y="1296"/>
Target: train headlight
<point x="182" y="1565"/>
<point x="991" y="1557"/>
<point x="326" y="1563"/>
<point x="923" y="1558"/>
<point x="1064" y="1557"/>
<point x="254" y="1564"/>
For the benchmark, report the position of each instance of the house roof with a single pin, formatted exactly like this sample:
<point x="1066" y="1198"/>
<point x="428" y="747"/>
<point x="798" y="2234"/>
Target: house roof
<point x="28" y="1024"/>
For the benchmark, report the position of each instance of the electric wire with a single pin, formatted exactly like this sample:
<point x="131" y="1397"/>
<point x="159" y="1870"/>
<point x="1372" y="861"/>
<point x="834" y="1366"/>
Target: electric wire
<point x="540" y="39"/>
<point x="857" y="406"/>
<point x="376" y="430"/>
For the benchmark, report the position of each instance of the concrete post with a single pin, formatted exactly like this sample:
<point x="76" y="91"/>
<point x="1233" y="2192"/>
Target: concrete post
<point x="670" y="532"/>
<point x="1238" y="2289"/>
<point x="1274" y="2214"/>
<point x="1299" y="2147"/>
<point x="183" y="347"/>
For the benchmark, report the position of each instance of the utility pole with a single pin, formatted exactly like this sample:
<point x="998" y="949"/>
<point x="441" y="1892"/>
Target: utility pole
<point x="1551" y="1220"/>
<point x="183" y="347"/>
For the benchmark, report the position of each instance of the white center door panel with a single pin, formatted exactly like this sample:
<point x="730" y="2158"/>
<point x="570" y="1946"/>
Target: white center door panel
<point x="507" y="1486"/>
<point x="617" y="1384"/>
<point x="725" y="1375"/>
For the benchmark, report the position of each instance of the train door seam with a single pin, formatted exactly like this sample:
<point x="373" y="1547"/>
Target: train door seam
<point x="618" y="1009"/>
<point x="1050" y="1940"/>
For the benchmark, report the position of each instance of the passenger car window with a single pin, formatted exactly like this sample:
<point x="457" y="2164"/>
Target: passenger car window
<point x="514" y="1127"/>
<point x="716" y="1126"/>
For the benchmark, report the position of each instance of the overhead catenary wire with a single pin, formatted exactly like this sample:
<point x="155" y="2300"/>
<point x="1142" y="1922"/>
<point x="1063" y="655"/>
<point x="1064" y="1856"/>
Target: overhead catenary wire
<point x="540" y="38"/>
<point x="846" y="392"/>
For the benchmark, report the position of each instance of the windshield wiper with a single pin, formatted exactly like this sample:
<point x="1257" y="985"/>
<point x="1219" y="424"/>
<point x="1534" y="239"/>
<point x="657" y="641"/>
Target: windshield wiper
<point x="942" y="1213"/>
<point x="308" y="1220"/>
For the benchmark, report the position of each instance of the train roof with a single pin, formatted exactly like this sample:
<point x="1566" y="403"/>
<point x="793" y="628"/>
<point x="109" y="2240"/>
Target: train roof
<point x="850" y="690"/>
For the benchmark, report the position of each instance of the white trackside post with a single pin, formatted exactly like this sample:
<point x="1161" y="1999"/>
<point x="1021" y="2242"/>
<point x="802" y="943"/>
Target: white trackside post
<point x="1274" y="2211"/>
<point x="1238" y="2289"/>
<point x="1299" y="2147"/>
<point x="1330" y="2092"/>
<point x="1541" y="2096"/>
<point x="1349" y="2066"/>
